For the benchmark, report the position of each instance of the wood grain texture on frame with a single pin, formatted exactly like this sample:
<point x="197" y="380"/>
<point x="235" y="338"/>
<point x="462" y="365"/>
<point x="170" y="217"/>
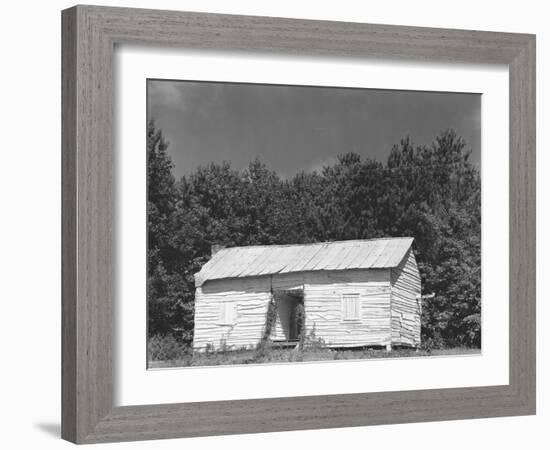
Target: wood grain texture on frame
<point x="89" y="37"/>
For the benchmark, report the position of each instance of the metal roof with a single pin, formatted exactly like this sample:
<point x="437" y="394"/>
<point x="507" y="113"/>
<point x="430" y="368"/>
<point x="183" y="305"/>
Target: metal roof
<point x="258" y="260"/>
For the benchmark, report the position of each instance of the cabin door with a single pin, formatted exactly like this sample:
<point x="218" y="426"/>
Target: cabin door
<point x="290" y="317"/>
<point x="296" y="320"/>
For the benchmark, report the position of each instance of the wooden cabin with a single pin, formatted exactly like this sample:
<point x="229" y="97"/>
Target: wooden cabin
<point x="348" y="294"/>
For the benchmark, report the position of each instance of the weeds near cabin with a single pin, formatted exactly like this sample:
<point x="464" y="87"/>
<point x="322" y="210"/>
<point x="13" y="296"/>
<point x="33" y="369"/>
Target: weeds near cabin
<point x="264" y="346"/>
<point x="433" y="343"/>
<point x="263" y="350"/>
<point x="312" y="342"/>
<point x="213" y="357"/>
<point x="223" y="346"/>
<point x="167" y="351"/>
<point x="165" y="348"/>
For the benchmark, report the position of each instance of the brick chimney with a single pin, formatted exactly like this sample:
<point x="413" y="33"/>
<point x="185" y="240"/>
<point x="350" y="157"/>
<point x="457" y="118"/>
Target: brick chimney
<point x="215" y="248"/>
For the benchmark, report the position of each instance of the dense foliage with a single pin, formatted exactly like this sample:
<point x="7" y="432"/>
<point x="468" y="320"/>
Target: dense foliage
<point x="429" y="192"/>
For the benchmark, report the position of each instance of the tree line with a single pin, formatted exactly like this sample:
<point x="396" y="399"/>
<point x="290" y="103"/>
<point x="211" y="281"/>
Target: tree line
<point x="430" y="192"/>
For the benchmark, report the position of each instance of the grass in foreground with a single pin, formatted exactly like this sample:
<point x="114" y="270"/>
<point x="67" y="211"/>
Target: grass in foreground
<point x="178" y="355"/>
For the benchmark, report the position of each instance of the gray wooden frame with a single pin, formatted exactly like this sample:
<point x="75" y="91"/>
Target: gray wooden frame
<point x="89" y="36"/>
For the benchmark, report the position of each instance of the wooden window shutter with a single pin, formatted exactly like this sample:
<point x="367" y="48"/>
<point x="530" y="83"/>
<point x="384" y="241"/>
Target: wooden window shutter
<point x="227" y="314"/>
<point x="351" y="307"/>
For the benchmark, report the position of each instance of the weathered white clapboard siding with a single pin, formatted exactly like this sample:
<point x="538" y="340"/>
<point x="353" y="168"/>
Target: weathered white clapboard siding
<point x="381" y="273"/>
<point x="323" y="294"/>
<point x="405" y="306"/>
<point x="250" y="298"/>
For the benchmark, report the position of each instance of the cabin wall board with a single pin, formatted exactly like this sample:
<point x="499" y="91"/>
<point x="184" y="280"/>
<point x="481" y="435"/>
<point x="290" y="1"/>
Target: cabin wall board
<point x="388" y="308"/>
<point x="323" y="293"/>
<point x="250" y="298"/>
<point x="406" y="307"/>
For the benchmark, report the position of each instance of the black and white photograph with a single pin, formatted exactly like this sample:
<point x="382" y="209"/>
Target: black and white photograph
<point x="290" y="224"/>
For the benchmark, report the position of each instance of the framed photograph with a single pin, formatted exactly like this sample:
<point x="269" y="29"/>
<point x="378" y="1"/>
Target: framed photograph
<point x="278" y="224"/>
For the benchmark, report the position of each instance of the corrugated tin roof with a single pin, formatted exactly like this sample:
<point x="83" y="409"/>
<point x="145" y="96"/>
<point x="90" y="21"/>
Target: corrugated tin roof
<point x="257" y="260"/>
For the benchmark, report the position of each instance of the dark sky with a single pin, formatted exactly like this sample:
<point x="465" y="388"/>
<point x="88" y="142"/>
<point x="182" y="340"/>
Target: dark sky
<point x="294" y="128"/>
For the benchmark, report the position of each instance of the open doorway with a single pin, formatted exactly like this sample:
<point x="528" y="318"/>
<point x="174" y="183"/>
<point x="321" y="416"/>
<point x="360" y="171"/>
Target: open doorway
<point x="290" y="315"/>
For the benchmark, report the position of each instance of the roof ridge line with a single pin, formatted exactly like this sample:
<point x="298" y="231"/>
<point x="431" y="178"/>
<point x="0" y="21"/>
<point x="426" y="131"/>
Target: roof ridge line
<point x="389" y="238"/>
